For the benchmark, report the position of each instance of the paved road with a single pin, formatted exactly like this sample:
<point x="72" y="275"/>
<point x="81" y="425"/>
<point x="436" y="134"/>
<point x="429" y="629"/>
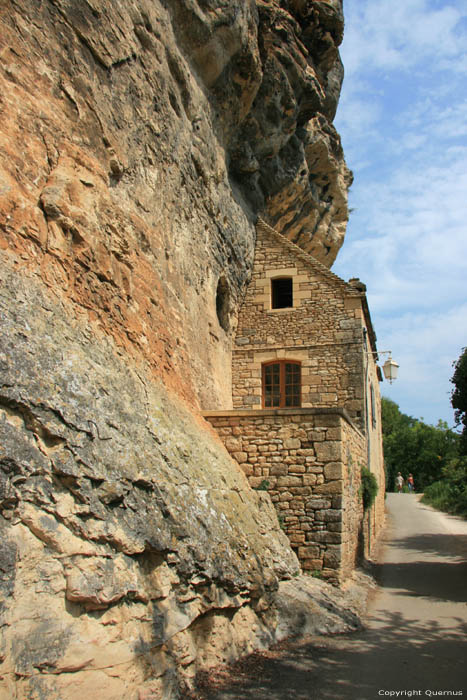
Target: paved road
<point x="416" y="636"/>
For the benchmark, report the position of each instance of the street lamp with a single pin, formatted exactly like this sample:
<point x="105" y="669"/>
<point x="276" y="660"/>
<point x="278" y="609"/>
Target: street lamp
<point x="390" y="369"/>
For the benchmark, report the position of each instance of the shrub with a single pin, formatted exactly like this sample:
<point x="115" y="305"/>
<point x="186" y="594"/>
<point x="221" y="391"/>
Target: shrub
<point x="368" y="488"/>
<point x="450" y="494"/>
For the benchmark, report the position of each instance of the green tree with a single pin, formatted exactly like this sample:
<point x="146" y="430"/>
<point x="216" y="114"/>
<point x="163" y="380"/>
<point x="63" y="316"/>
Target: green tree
<point x="412" y="446"/>
<point x="396" y="440"/>
<point x="459" y="397"/>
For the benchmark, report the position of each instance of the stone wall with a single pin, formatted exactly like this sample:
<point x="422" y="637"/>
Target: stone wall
<point x="309" y="461"/>
<point x="323" y="330"/>
<point x="375" y="458"/>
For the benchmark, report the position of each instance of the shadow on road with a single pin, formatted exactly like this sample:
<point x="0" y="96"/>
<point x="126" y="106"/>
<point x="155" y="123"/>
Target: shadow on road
<point x="352" y="667"/>
<point x="440" y="545"/>
<point x="419" y="579"/>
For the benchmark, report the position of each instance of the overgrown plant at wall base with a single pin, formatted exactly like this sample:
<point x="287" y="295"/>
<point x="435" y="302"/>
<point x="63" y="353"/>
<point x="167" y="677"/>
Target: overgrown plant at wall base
<point x="368" y="488"/>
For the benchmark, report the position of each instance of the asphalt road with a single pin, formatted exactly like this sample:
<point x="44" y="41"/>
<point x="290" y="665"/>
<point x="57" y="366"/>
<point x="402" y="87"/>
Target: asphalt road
<point x="415" y="641"/>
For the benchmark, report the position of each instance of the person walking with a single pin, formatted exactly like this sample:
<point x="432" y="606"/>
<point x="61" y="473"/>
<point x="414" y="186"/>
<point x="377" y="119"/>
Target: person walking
<point x="410" y="483"/>
<point x="399" y="482"/>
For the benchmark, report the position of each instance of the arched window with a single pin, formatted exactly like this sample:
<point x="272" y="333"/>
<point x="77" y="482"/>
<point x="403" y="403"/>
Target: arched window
<point x="281" y="293"/>
<point x="281" y="384"/>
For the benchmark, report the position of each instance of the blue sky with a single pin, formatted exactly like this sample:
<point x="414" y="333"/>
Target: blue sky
<point x="403" y="122"/>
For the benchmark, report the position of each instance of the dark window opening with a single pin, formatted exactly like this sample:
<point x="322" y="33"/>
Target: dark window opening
<point x="223" y="304"/>
<point x="282" y="384"/>
<point x="282" y="293"/>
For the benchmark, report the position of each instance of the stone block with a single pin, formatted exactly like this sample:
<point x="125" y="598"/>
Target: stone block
<point x="292" y="444"/>
<point x="301" y="490"/>
<point x="289" y="481"/>
<point x="318" y="503"/>
<point x="333" y="470"/>
<point x="331" y="575"/>
<point x="332" y="487"/>
<point x="297" y="505"/>
<point x="285" y="432"/>
<point x="328" y="451"/>
<point x="308" y="552"/>
<point x="332" y="556"/>
<point x="334" y="434"/>
<point x="251" y="448"/>
<point x="327" y="537"/>
<point x="279" y="469"/>
<point x="314" y="469"/>
<point x="240" y="457"/>
<point x="296" y="469"/>
<point x="312" y="564"/>
<point x="332" y="420"/>
<point x="329" y="515"/>
<point x="281" y="272"/>
<point x="233" y="444"/>
<point x="296" y="537"/>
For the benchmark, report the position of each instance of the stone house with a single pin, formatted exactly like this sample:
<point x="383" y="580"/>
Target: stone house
<point x="306" y="403"/>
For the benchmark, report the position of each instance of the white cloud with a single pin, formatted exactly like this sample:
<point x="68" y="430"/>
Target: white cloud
<point x="382" y="35"/>
<point x="403" y="122"/>
<point x="425" y="346"/>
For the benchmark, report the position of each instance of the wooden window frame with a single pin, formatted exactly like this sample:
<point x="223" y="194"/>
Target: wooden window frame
<point x="282" y="385"/>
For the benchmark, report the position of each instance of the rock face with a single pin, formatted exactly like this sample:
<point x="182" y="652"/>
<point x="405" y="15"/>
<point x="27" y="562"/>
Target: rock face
<point x="138" y="143"/>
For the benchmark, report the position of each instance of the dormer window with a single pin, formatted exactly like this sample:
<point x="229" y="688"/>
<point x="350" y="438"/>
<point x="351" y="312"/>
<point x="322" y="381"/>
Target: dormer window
<point x="282" y="384"/>
<point x="281" y="293"/>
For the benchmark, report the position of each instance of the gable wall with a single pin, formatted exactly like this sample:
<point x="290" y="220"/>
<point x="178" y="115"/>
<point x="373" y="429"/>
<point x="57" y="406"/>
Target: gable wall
<point x="323" y="331"/>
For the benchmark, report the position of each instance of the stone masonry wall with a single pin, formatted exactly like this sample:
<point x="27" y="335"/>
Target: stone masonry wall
<point x="309" y="462"/>
<point x="323" y="330"/>
<point x="354" y="534"/>
<point x="375" y="459"/>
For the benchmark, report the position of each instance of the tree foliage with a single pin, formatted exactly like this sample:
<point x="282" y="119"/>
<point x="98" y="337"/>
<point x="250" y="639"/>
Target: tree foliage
<point x="413" y="447"/>
<point x="450" y="493"/>
<point x="459" y="397"/>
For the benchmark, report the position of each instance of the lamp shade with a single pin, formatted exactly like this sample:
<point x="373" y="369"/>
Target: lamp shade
<point x="390" y="368"/>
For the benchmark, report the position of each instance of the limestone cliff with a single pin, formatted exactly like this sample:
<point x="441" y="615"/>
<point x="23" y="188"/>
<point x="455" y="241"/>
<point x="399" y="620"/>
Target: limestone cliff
<point x="139" y="140"/>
